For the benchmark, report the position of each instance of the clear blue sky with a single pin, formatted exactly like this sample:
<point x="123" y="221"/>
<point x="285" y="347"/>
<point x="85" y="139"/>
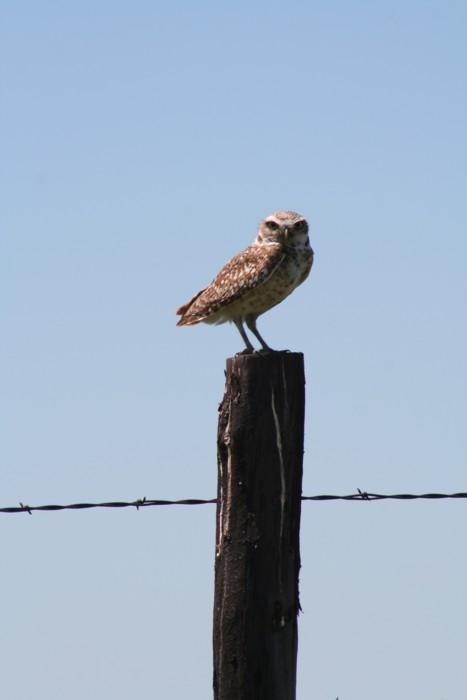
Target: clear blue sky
<point x="141" y="143"/>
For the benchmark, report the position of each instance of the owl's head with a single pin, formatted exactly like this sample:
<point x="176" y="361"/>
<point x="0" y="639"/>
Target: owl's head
<point x="284" y="227"/>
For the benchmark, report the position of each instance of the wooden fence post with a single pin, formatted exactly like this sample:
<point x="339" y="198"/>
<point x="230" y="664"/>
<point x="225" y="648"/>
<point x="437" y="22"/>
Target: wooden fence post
<point x="260" y="455"/>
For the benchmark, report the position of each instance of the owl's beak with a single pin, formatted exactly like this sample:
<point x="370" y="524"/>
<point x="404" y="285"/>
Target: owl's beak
<point x="286" y="233"/>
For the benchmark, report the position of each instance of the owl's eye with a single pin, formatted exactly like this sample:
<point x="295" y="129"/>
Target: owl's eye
<point x="299" y="225"/>
<point x="272" y="226"/>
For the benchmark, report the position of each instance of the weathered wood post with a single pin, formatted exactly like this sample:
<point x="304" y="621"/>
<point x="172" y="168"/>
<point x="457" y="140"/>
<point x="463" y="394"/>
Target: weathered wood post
<point x="260" y="455"/>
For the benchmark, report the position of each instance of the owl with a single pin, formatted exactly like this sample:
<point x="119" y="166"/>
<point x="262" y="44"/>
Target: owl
<point x="257" y="279"/>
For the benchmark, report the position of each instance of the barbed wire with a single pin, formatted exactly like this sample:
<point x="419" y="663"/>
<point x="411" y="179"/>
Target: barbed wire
<point x="366" y="496"/>
<point x="145" y="502"/>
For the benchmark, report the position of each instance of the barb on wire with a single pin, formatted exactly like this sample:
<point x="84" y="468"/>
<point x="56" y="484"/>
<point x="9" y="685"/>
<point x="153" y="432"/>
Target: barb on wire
<point x="145" y="502"/>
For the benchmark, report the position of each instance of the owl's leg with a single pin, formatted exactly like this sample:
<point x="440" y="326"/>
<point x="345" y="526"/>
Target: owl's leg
<point x="251" y="323"/>
<point x="239" y="324"/>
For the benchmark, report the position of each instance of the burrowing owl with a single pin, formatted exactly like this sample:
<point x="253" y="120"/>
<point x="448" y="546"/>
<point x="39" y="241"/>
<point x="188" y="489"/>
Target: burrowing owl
<point x="257" y="279"/>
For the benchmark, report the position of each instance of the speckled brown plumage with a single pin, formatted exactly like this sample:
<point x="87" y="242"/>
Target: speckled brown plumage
<point x="256" y="279"/>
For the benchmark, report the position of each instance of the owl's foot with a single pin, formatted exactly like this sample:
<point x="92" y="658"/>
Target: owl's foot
<point x="264" y="351"/>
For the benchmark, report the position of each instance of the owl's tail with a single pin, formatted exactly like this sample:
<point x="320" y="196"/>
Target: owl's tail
<point x="183" y="311"/>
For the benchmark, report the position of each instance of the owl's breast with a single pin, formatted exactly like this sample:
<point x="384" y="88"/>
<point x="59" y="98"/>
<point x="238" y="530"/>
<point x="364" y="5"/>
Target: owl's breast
<point x="288" y="275"/>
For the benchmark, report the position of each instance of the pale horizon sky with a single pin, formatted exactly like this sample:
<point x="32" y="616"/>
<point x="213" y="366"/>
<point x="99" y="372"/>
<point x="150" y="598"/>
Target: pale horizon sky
<point x="141" y="143"/>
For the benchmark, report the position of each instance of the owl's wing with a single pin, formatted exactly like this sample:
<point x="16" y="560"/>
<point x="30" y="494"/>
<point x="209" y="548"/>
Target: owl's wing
<point x="246" y="271"/>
